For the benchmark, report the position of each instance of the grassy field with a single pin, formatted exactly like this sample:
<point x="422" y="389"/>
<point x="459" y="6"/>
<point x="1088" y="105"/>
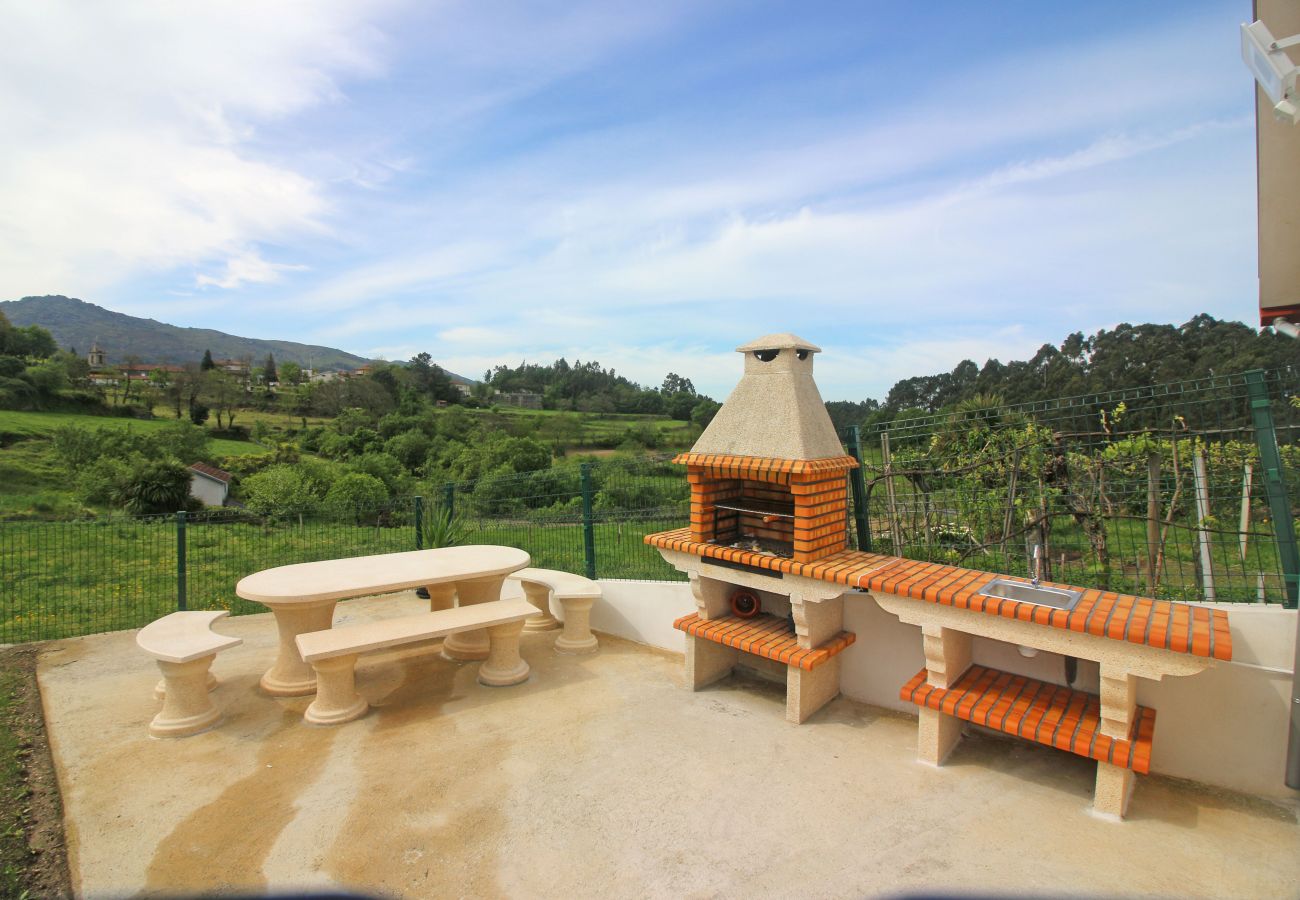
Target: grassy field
<point x="40" y="425"/>
<point x="34" y="485"/>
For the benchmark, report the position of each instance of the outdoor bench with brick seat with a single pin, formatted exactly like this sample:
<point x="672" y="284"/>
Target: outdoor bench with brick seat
<point x="1129" y="637"/>
<point x="333" y="652"/>
<point x="574" y="593"/>
<point x="184" y="646"/>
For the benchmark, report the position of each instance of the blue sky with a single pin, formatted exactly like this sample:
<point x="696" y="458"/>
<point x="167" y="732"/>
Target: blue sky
<point x="646" y="184"/>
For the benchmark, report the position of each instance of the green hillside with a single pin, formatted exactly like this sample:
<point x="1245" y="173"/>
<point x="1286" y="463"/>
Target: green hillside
<point x="76" y="323"/>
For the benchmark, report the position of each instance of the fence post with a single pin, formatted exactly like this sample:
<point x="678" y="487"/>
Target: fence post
<point x="588" y="527"/>
<point x="858" y="483"/>
<point x="449" y="500"/>
<point x="419" y="523"/>
<point x="181" y="587"/>
<point x="1271" y="465"/>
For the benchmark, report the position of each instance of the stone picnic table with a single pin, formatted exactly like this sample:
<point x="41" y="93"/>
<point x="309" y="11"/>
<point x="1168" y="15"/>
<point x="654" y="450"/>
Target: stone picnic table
<point x="303" y="596"/>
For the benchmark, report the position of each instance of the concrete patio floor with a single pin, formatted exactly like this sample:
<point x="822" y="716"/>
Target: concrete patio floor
<point x="601" y="776"/>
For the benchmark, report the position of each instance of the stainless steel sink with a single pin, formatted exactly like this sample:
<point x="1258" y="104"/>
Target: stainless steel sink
<point x="1023" y="592"/>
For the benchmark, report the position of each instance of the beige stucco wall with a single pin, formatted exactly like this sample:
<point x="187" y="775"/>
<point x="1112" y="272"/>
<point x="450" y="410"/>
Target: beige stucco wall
<point x="1225" y="726"/>
<point x="1277" y="146"/>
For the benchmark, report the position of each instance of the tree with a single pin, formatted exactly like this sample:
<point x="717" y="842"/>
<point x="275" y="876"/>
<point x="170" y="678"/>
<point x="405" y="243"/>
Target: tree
<point x="32" y="341"/>
<point x="704" y="411"/>
<point x="223" y="393"/>
<point x="269" y="374"/>
<point x="207" y="365"/>
<point x="161" y="381"/>
<point x="676" y="384"/>
<point x="290" y="372"/>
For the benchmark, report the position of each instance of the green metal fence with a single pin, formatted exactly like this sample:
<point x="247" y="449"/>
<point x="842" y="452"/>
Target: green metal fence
<point x="1179" y="491"/>
<point x="1170" y="491"/>
<point x="62" y="579"/>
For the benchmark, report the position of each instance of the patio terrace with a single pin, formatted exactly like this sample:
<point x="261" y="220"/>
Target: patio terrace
<point x="600" y="776"/>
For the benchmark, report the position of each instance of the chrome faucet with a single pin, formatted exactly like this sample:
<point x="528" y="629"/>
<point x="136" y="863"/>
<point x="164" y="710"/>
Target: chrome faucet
<point x="1038" y="564"/>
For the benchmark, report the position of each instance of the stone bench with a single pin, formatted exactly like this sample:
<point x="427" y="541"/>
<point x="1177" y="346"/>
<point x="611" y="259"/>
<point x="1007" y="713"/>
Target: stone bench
<point x="812" y="674"/>
<point x="333" y="653"/>
<point x="1048" y="714"/>
<point x="575" y="594"/>
<point x="1129" y="639"/>
<point x="184" y="646"/>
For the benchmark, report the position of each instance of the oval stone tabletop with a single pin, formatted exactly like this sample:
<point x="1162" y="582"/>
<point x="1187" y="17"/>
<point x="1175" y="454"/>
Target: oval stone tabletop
<point x="337" y="579"/>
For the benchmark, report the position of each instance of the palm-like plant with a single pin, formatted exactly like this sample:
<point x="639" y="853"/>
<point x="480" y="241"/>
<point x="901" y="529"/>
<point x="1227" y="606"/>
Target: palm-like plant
<point x="443" y="529"/>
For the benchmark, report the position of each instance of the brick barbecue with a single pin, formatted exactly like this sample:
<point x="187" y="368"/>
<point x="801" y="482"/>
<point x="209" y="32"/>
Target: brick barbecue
<point x="768" y="474"/>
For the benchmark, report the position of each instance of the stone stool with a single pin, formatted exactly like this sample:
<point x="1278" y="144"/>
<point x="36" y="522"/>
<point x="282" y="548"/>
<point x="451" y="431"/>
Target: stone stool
<point x="185" y="646"/>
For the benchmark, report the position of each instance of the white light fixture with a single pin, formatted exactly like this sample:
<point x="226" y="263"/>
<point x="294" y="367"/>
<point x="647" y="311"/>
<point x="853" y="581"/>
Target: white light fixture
<point x="1274" y="71"/>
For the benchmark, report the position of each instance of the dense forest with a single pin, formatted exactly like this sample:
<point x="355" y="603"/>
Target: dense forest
<point x="1128" y="356"/>
<point x="589" y="387"/>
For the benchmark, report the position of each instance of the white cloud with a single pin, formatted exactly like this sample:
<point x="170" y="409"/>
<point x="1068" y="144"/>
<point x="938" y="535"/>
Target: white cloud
<point x="131" y="132"/>
<point x="246" y="268"/>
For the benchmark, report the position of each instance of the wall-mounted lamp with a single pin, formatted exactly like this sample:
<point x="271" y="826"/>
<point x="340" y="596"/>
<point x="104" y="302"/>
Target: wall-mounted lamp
<point x="1273" y="69"/>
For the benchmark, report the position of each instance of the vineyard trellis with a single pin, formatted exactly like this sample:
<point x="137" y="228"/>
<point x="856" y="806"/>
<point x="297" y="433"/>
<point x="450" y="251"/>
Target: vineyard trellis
<point x="1178" y="491"/>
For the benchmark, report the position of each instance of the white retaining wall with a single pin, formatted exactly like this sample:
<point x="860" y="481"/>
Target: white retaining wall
<point x="1226" y="726"/>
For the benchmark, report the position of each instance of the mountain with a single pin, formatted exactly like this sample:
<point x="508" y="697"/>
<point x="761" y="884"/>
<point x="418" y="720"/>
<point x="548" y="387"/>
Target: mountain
<point x="76" y="323"/>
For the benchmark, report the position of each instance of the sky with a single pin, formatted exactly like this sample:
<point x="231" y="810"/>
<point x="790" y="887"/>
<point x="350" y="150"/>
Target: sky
<point x="648" y="185"/>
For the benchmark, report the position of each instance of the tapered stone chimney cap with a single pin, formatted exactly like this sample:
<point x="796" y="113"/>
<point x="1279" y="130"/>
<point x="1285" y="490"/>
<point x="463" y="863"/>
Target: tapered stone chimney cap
<point x="783" y="341"/>
<point x="775" y="412"/>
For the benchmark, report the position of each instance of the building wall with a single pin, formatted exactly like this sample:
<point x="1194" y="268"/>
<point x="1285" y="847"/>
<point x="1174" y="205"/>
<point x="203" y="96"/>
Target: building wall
<point x="1225" y="726"/>
<point x="209" y="492"/>
<point x="1277" y="146"/>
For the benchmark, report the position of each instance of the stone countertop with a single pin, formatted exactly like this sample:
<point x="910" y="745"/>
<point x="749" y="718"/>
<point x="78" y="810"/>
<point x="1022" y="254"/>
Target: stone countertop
<point x="1179" y="627"/>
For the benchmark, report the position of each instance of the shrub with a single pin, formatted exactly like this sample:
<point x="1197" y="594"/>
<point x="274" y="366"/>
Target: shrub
<point x="385" y="468"/>
<point x="154" y="486"/>
<point x="357" y="497"/>
<point x="185" y="441"/>
<point x="99" y="482"/>
<point x="278" y="489"/>
<point x="410" y="448"/>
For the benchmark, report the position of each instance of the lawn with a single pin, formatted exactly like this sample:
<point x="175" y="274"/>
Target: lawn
<point x="32" y="482"/>
<point x="29" y="425"/>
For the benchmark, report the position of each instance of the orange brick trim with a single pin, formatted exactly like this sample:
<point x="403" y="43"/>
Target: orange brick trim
<point x="767" y="636"/>
<point x="764" y="468"/>
<point x="1139" y="620"/>
<point x="1047" y="714"/>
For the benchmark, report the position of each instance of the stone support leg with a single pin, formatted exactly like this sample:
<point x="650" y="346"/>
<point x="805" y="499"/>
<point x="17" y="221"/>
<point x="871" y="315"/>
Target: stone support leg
<point x="503" y="665"/>
<point x="1118" y="709"/>
<point x="807" y="692"/>
<point x="160" y="689"/>
<point x="290" y="676"/>
<point x="337" y="699"/>
<point x="187" y="708"/>
<point x="707" y="662"/>
<point x="469" y="645"/>
<point x="947" y="657"/>
<point x="441" y="596"/>
<point x="712" y="597"/>
<point x="937" y="736"/>
<point x="1114" y="787"/>
<point x="577" y="636"/>
<point x="816" y="622"/>
<point x="1118" y="702"/>
<point x="539" y="595"/>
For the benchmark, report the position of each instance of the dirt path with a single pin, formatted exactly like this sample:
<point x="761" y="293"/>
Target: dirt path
<point x="33" y="857"/>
